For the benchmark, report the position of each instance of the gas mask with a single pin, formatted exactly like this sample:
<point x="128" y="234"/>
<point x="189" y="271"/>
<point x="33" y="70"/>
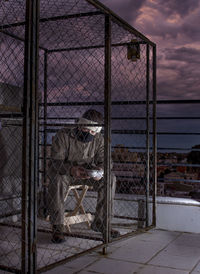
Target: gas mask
<point x="83" y="136"/>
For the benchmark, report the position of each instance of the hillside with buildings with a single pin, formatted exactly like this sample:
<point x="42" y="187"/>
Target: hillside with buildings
<point x="178" y="173"/>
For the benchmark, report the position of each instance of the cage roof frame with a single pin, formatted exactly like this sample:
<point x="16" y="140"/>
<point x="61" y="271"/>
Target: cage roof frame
<point x="102" y="9"/>
<point x="120" y="21"/>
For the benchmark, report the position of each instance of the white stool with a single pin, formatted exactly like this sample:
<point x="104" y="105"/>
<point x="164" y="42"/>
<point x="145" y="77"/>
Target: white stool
<point x="78" y="214"/>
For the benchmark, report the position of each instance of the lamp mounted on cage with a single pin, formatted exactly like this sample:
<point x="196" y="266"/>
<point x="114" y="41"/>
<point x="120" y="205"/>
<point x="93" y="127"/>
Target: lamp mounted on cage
<point x="133" y="50"/>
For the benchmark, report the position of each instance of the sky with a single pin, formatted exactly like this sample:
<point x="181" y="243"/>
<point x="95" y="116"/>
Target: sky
<point x="174" y="26"/>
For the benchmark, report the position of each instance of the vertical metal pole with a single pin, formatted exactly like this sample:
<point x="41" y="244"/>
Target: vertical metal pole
<point x="25" y="148"/>
<point x="107" y="130"/>
<point x="147" y="135"/>
<point x="32" y="224"/>
<point x="45" y="132"/>
<point x="30" y="142"/>
<point x="154" y="138"/>
<point x="35" y="113"/>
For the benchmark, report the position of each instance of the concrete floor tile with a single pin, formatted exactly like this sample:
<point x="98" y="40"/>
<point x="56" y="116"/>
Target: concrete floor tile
<point x="81" y="262"/>
<point x="108" y="266"/>
<point x="174" y="261"/>
<point x="174" y="249"/>
<point x="159" y="236"/>
<point x="87" y="272"/>
<point x="160" y="270"/>
<point x="60" y="270"/>
<point x="139" y="252"/>
<point x="188" y="239"/>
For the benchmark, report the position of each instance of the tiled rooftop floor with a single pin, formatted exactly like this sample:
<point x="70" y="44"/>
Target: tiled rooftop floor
<point x="153" y="252"/>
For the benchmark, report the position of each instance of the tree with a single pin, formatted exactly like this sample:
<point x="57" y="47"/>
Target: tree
<point x="194" y="155"/>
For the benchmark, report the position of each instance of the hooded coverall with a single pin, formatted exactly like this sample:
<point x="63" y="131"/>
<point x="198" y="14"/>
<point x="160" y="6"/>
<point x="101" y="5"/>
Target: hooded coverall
<point x="67" y="151"/>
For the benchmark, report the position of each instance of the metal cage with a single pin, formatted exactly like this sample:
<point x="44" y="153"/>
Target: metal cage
<point x="59" y="59"/>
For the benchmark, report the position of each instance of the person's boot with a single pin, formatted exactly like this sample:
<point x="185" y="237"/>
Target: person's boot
<point x="58" y="235"/>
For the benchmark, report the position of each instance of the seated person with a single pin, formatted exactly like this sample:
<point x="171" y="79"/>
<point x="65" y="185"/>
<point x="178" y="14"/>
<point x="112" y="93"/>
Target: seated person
<point x="74" y="151"/>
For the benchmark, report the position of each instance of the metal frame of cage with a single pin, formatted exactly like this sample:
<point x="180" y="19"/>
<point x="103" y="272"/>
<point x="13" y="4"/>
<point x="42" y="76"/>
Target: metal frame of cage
<point x="30" y="114"/>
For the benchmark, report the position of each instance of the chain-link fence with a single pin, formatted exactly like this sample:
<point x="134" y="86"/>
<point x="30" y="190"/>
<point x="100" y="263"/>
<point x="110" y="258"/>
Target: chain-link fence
<point x="78" y="139"/>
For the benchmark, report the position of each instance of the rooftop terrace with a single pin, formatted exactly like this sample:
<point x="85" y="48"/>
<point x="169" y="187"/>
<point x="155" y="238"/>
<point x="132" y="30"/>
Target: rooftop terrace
<point x="152" y="252"/>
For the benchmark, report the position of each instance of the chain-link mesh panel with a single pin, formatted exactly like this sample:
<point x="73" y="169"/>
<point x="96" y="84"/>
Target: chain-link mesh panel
<point x="11" y="99"/>
<point x="74" y="81"/>
<point x="132" y="128"/>
<point x="129" y="124"/>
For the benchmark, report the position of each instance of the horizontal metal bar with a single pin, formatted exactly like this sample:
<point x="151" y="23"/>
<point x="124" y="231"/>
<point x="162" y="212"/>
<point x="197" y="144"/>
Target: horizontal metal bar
<point x="141" y="163"/>
<point x="122" y="103"/>
<point x="91" y="47"/>
<point x="178" y="101"/>
<point x="159" y="148"/>
<point x="58" y="118"/>
<point x="11" y="125"/>
<point x="128" y="118"/>
<point x="173" y="148"/>
<point x="10" y="269"/>
<point x="61" y="104"/>
<point x="113" y="131"/>
<point x="158" y="118"/>
<point x="128" y="177"/>
<point x="5" y="215"/>
<point x="55" y="18"/>
<point x="128" y="218"/>
<point x="11" y="115"/>
<point x="18" y="38"/>
<point x="7" y="108"/>
<point x="73" y="49"/>
<point x="163" y="180"/>
<point x="67" y="124"/>
<point x="140" y="148"/>
<point x="178" y="118"/>
<point x="127" y="162"/>
<point x="6" y="198"/>
<point x="70" y="16"/>
<point x="177" y="165"/>
<point x="137" y="132"/>
<point x="178" y="133"/>
<point x="12" y="35"/>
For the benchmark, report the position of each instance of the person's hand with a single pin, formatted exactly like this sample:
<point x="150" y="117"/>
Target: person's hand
<point x="79" y="172"/>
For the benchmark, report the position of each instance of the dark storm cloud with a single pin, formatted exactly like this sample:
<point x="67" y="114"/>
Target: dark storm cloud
<point x="189" y="55"/>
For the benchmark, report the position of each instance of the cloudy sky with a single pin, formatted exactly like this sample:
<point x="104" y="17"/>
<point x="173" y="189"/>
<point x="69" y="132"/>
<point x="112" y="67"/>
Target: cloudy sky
<point x="174" y="26"/>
